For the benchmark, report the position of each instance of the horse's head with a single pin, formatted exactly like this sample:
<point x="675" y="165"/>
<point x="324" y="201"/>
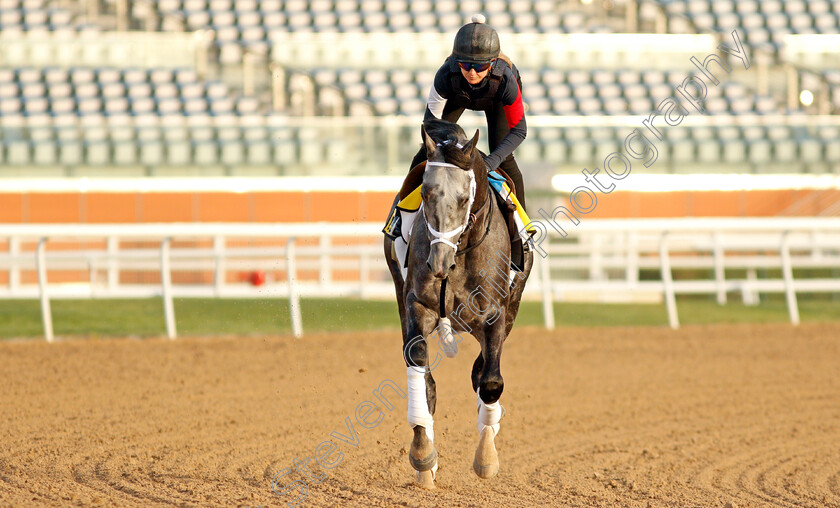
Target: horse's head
<point x="449" y="189"/>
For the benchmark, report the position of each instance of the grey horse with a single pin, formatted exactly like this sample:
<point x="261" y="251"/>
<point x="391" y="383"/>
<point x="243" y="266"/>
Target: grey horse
<point x="459" y="248"/>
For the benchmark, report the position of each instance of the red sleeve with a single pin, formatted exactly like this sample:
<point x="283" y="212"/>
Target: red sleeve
<point x="515" y="111"/>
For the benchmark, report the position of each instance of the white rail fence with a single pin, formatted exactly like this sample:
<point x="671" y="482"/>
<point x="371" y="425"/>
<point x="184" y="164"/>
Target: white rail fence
<point x="599" y="260"/>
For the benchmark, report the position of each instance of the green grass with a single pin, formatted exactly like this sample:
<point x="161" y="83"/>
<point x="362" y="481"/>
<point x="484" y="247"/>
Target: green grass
<point x="106" y="318"/>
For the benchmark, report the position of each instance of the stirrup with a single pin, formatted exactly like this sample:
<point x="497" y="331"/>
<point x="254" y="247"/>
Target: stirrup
<point x="393" y="226"/>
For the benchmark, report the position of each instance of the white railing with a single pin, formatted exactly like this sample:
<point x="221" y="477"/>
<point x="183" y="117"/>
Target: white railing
<point x="143" y="49"/>
<point x="528" y="50"/>
<point x="613" y="253"/>
<point x="599" y="260"/>
<point x="816" y="51"/>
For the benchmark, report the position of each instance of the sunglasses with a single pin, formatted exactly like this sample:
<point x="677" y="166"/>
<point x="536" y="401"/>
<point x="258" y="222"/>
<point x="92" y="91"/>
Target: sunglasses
<point x="479" y="67"/>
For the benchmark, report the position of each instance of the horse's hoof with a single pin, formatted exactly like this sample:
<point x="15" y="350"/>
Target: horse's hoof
<point x="424" y="464"/>
<point x="426" y="479"/>
<point x="422" y="455"/>
<point x="486" y="463"/>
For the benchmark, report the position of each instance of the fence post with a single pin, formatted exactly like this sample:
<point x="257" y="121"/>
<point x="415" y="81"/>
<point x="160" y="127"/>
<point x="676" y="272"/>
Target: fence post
<point x="547" y="295"/>
<point x="816" y="251"/>
<point x="632" y="271"/>
<point x="113" y="266"/>
<point x="219" y="254"/>
<point x="364" y="268"/>
<point x="787" y="273"/>
<point x="720" y="273"/>
<point x="166" y="283"/>
<point x="596" y="266"/>
<point x="668" y="282"/>
<point x="294" y="297"/>
<point x="14" y="269"/>
<point x="324" y="265"/>
<point x="748" y="294"/>
<point x="46" y="312"/>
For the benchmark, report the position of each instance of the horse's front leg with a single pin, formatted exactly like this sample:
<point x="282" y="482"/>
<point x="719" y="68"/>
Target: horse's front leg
<point x="490" y="385"/>
<point x="421" y="391"/>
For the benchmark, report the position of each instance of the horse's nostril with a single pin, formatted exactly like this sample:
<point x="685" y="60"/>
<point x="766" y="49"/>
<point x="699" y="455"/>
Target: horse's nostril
<point x="429" y="264"/>
<point x="452" y="267"/>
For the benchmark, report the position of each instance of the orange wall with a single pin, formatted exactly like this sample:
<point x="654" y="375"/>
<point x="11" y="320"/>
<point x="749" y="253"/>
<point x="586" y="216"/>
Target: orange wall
<point x="76" y="207"/>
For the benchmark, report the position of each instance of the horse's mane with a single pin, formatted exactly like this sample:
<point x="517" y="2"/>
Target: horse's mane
<point x="441" y="130"/>
<point x="449" y="135"/>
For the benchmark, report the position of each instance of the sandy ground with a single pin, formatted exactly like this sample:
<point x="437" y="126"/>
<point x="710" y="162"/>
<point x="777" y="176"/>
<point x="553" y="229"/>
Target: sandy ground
<point x="747" y="415"/>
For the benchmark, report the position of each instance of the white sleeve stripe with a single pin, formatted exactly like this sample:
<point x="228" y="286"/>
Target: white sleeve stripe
<point x="436" y="103"/>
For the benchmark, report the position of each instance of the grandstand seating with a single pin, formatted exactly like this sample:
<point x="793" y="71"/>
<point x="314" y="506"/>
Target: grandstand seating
<point x="251" y="24"/>
<point x="550" y="91"/>
<point x="38" y="15"/>
<point x="254" y="20"/>
<point x="110" y="91"/>
<point x="765" y="22"/>
<point x="170" y="118"/>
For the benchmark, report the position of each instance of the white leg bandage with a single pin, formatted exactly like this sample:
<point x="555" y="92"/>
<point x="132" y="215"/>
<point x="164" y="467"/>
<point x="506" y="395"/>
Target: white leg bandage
<point x="489" y="415"/>
<point x="418" y="406"/>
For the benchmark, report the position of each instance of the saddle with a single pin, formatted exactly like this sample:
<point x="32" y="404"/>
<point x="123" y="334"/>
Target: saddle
<point x="412" y="180"/>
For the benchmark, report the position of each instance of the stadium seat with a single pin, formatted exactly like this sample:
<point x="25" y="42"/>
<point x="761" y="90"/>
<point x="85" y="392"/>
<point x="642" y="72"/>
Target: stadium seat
<point x="44" y="153"/>
<point x="258" y="153"/>
<point x="97" y="153"/>
<point x="759" y="151"/>
<point x="232" y="153"/>
<point x="708" y="151"/>
<point x="810" y="151"/>
<point x="285" y="152"/>
<point x="205" y="153"/>
<point x="151" y="153"/>
<point x="71" y="153"/>
<point x="125" y="153"/>
<point x="683" y="151"/>
<point x="785" y="150"/>
<point x="178" y="152"/>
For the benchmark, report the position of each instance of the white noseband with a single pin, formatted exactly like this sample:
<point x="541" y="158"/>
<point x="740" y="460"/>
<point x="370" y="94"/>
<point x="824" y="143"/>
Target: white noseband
<point x="443" y="237"/>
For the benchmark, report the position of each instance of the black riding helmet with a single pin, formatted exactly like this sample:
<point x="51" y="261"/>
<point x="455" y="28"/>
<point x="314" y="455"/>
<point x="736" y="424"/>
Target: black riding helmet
<point x="476" y="42"/>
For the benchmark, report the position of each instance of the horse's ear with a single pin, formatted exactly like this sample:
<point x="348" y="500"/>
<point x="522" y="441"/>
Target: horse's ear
<point x="472" y="144"/>
<point x="428" y="142"/>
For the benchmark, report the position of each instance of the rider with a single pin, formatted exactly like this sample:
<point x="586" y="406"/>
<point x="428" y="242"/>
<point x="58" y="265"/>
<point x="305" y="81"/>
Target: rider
<point x="476" y="77"/>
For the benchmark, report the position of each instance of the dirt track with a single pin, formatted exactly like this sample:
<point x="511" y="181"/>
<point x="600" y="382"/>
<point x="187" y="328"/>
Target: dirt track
<point x="595" y="417"/>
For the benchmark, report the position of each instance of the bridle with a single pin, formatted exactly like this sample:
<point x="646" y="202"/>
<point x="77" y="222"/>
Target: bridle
<point x="444" y="236"/>
<point x="469" y="219"/>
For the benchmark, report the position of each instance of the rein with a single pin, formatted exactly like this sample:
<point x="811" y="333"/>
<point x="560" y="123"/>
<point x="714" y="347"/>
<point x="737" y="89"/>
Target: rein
<point x="486" y="229"/>
<point x="443" y="237"/>
<point x="489" y="197"/>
